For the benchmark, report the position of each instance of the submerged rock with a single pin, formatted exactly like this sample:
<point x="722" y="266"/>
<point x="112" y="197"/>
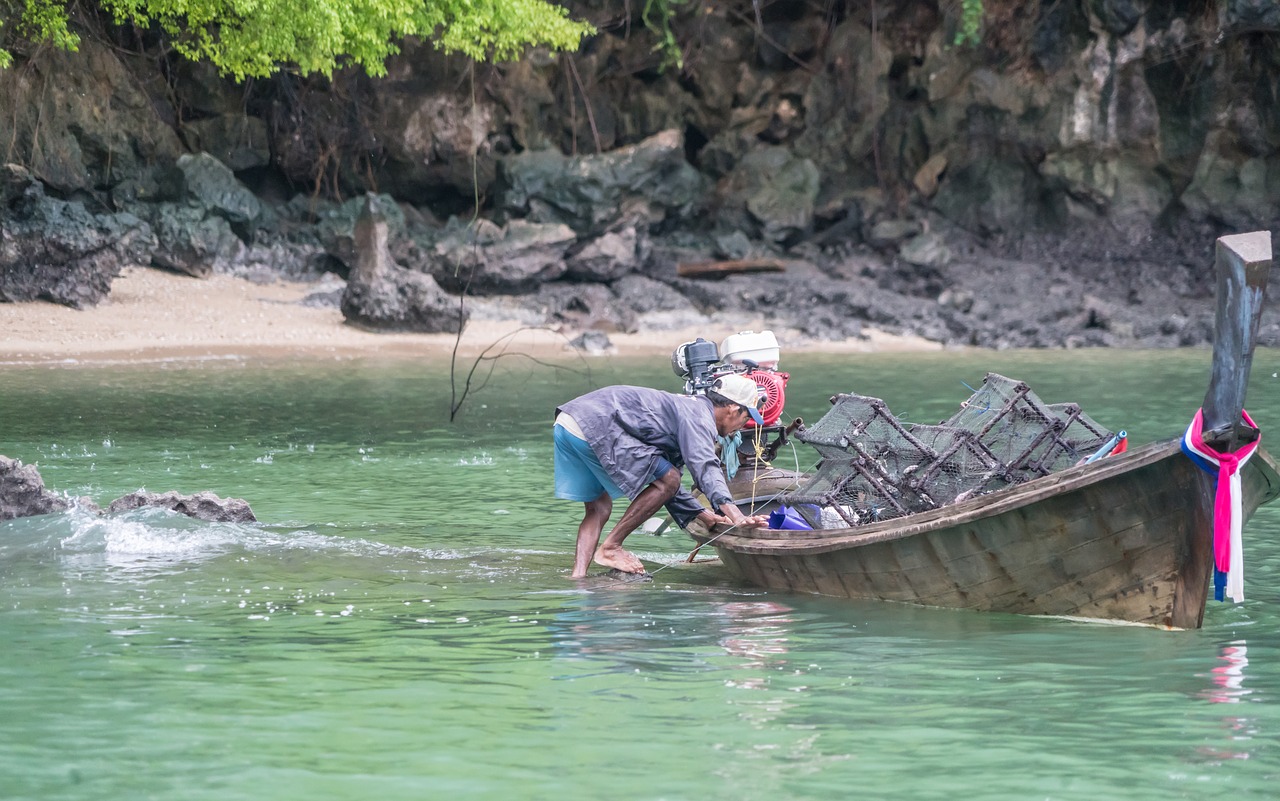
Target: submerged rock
<point x="202" y="505"/>
<point x="22" y="492"/>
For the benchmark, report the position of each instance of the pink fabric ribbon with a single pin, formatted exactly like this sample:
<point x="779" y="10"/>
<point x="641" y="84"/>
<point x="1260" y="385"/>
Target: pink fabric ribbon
<point x="1228" y="548"/>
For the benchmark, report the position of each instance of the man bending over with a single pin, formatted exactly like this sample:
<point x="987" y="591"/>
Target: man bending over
<point x="632" y="441"/>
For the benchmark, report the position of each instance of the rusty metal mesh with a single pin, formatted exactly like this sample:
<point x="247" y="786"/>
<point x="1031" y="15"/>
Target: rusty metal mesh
<point x="875" y="467"/>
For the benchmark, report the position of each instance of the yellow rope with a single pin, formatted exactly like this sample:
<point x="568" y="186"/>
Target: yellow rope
<point x="756" y="442"/>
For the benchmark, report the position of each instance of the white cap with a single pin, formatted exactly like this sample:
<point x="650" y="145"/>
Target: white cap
<point x="742" y="391"/>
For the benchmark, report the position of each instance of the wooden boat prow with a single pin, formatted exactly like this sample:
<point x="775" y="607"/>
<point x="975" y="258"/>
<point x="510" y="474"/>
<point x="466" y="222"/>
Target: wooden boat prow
<point x="1126" y="538"/>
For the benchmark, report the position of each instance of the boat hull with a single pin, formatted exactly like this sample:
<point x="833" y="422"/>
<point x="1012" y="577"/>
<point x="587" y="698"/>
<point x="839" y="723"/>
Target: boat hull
<point x="1128" y="539"/>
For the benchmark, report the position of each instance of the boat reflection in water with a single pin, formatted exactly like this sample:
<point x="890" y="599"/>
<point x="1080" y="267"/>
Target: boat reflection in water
<point x="757" y="632"/>
<point x="1227" y="687"/>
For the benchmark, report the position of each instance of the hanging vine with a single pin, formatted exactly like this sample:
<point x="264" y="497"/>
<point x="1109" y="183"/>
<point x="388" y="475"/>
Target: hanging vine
<point x="657" y="16"/>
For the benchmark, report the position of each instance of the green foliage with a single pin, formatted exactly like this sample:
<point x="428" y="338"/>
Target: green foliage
<point x="657" y="16"/>
<point x="970" y="29"/>
<point x="257" y="37"/>
<point x="38" y="20"/>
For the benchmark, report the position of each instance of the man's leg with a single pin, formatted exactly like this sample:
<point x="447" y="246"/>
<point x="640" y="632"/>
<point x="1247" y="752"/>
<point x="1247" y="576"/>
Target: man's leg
<point x="648" y="502"/>
<point x="593" y="520"/>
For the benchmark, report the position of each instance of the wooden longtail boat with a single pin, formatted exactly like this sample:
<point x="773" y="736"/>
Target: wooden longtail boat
<point x="1126" y="538"/>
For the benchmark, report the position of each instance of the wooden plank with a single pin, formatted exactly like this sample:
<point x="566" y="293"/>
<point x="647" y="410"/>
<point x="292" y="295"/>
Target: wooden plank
<point x="1195" y="560"/>
<point x="1063" y="532"/>
<point x="1073" y="580"/>
<point x="1132" y="583"/>
<point x="822" y="579"/>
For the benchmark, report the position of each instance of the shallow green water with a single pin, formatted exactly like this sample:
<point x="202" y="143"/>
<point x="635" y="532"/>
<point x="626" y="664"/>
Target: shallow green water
<point x="400" y="623"/>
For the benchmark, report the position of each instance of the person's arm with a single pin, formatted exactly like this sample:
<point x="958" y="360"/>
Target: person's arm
<point x="698" y="448"/>
<point x="695" y="435"/>
<point x="685" y="508"/>
<point x="731" y="516"/>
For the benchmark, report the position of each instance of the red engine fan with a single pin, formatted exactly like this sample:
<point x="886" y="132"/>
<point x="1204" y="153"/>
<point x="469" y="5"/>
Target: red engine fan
<point x="772" y="387"/>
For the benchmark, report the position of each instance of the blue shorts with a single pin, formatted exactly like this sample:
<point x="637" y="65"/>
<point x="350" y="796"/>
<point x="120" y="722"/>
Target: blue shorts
<point x="579" y="474"/>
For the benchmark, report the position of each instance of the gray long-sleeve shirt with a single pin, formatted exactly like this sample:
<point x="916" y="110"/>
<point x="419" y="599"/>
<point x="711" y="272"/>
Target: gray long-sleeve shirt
<point x="628" y="428"/>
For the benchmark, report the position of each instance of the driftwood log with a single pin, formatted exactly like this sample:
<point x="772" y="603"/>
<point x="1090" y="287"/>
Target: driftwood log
<point x="720" y="269"/>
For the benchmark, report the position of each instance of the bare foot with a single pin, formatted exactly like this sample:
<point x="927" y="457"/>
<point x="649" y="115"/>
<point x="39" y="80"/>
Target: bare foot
<point x="619" y="559"/>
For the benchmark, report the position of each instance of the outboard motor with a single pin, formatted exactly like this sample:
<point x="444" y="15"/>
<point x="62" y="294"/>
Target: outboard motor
<point x="753" y="354"/>
<point x="698" y="363"/>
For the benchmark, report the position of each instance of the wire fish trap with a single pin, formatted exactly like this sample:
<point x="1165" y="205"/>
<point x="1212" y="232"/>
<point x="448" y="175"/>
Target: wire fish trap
<point x="875" y="467"/>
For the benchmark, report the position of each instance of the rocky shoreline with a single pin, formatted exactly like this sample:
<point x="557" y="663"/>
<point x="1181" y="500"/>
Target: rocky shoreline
<point x="156" y="316"/>
<point x="390" y="269"/>
<point x="831" y="174"/>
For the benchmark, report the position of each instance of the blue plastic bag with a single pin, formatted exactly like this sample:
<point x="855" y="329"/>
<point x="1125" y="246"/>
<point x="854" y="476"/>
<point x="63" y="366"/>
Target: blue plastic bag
<point x="784" y="517"/>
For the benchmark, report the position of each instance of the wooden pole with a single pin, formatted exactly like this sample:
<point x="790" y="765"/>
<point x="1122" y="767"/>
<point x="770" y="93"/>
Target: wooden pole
<point x="1243" y="262"/>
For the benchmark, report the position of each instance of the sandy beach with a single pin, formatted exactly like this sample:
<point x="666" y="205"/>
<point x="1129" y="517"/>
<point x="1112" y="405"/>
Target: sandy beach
<point x="153" y="314"/>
